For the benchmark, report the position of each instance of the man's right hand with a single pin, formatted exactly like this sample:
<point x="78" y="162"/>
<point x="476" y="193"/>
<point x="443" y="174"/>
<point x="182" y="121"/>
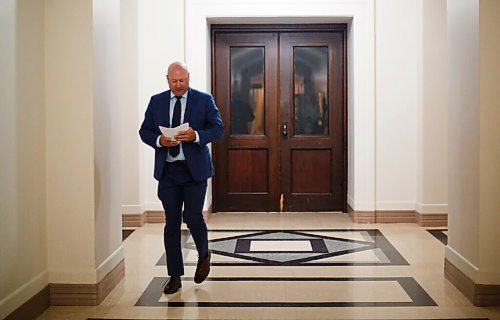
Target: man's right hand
<point x="167" y="142"/>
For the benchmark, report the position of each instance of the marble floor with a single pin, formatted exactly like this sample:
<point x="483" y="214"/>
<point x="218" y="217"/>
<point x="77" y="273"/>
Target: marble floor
<point x="289" y="266"/>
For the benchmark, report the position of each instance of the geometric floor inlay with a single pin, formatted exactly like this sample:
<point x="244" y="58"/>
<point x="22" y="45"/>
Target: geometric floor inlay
<point x="293" y="268"/>
<point x="320" y="247"/>
<point x="411" y="295"/>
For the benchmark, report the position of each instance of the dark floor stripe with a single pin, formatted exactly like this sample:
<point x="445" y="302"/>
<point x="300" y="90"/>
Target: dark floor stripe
<point x="440" y="235"/>
<point x="126" y="233"/>
<point x="152" y="294"/>
<point x="332" y="318"/>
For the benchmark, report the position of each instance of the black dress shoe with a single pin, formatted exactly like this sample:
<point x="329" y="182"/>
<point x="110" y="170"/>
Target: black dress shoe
<point x="172" y="285"/>
<point x="202" y="269"/>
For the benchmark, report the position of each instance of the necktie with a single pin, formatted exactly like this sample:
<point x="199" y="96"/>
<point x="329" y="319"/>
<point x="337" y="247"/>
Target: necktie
<point x="176" y="121"/>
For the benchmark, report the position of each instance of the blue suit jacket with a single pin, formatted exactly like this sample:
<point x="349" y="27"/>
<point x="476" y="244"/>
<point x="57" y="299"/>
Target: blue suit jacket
<point x="203" y="116"/>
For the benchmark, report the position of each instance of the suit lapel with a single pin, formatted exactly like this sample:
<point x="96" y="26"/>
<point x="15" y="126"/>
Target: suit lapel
<point x="165" y="109"/>
<point x="189" y="105"/>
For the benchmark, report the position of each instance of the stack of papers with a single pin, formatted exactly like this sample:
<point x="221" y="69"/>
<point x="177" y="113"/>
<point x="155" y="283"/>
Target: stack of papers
<point x="171" y="132"/>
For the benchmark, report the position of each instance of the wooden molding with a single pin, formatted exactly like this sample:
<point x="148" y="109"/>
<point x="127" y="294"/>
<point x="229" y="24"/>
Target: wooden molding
<point x="154" y="216"/>
<point x="481" y="295"/>
<point x="138" y="220"/>
<point x="386" y="216"/>
<point x="135" y="220"/>
<point x="399" y="216"/>
<point x="361" y="216"/>
<point x="432" y="219"/>
<point x="395" y="216"/>
<point x="111" y="280"/>
<point x="32" y="308"/>
<point x="62" y="294"/>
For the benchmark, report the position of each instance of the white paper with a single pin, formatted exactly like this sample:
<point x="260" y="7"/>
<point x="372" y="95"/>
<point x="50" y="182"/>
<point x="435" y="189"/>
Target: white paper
<point x="171" y="132"/>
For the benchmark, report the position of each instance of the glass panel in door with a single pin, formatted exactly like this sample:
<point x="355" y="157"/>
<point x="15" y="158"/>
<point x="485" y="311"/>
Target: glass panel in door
<point x="310" y="83"/>
<point x="247" y="90"/>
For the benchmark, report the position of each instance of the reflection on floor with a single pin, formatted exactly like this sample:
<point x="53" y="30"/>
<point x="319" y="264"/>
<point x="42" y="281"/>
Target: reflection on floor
<point x="289" y="266"/>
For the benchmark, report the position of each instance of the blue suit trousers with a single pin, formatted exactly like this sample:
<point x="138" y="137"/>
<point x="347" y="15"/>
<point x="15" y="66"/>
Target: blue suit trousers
<point x="178" y="190"/>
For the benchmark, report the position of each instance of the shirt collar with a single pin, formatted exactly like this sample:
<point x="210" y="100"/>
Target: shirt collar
<point x="172" y="95"/>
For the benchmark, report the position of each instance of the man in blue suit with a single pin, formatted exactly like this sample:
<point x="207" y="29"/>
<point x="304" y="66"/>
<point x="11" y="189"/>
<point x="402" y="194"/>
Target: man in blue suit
<point x="182" y="166"/>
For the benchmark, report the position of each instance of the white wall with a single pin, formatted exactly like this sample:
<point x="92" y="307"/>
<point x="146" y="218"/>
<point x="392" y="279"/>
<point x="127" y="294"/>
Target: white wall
<point x="107" y="137"/>
<point x="474" y="151"/>
<point x="474" y="173"/>
<point x="82" y="139"/>
<point x="59" y="119"/>
<point x="396" y="49"/>
<point x="395" y="104"/>
<point x="23" y="269"/>
<point x="161" y="41"/>
<point x="69" y="142"/>
<point x="129" y="107"/>
<point x="489" y="207"/>
<point x="432" y="129"/>
<point x="165" y="35"/>
<point x="411" y="105"/>
<point x="463" y="174"/>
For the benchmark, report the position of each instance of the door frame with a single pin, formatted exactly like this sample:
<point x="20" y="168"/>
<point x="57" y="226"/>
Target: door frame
<point x="320" y="27"/>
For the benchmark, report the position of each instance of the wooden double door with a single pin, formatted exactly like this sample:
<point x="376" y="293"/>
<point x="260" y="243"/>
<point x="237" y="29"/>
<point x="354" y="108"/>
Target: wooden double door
<point x="281" y="91"/>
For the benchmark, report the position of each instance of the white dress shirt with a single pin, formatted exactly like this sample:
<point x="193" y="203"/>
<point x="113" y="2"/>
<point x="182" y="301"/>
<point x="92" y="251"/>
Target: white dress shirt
<point x="180" y="156"/>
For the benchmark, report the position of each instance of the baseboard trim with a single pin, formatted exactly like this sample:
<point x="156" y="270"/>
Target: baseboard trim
<point x="432" y="219"/>
<point x="135" y="220"/>
<point x="395" y="216"/>
<point x="481" y="295"/>
<point x="361" y="216"/>
<point x="22" y="294"/>
<point x="109" y="264"/>
<point x="62" y="294"/>
<point x="110" y="281"/>
<point x="32" y="308"/>
<point x="398" y="216"/>
<point x="156" y="216"/>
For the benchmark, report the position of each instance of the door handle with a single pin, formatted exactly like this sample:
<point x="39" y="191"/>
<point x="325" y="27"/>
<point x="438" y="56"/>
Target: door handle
<point x="284" y="129"/>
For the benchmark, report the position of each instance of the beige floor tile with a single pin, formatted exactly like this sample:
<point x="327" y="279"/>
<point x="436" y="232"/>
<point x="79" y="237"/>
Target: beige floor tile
<point x="424" y="253"/>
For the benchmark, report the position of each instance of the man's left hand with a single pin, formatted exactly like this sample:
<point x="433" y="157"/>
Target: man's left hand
<point x="187" y="135"/>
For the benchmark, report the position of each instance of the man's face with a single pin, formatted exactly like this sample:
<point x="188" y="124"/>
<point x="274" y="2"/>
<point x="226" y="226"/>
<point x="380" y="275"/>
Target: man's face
<point x="178" y="80"/>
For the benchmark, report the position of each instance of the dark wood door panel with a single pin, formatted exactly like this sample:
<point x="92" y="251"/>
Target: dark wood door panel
<point x="246" y="159"/>
<point x="311" y="171"/>
<point x="247" y="171"/>
<point x="312" y="104"/>
<point x="281" y="91"/>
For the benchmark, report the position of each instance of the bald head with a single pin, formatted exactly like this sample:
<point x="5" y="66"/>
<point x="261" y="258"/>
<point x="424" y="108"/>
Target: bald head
<point x="178" y="78"/>
<point x="177" y="65"/>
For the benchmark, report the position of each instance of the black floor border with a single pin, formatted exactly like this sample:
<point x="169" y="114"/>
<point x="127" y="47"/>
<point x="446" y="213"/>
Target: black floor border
<point x="332" y="318"/>
<point x="439" y="234"/>
<point x="417" y="294"/>
<point x="126" y="233"/>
